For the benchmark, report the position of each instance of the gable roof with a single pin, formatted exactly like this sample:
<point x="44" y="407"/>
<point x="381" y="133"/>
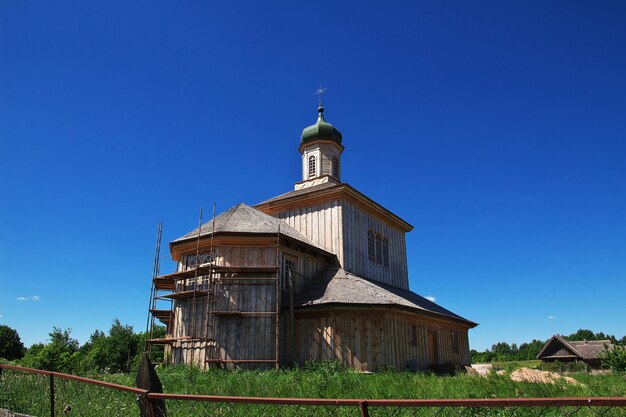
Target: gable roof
<point x="336" y="286"/>
<point x="243" y="219"/>
<point x="585" y="349"/>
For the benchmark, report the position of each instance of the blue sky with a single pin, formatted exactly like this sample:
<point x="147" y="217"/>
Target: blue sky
<point x="496" y="128"/>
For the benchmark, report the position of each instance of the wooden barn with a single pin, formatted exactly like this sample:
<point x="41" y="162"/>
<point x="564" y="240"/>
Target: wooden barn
<point x="586" y="351"/>
<point x="317" y="273"/>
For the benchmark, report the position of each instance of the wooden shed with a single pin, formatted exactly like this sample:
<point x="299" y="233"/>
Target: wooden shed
<point x="317" y="273"/>
<point x="587" y="351"/>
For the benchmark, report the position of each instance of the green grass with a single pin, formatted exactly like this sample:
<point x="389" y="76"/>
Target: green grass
<point x="329" y="381"/>
<point x="512" y="365"/>
<point x="26" y="393"/>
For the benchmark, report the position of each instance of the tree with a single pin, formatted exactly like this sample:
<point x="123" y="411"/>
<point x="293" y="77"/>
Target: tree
<point x="586" y="334"/>
<point x="529" y="351"/>
<point x="60" y="355"/>
<point x="614" y="359"/>
<point x="581" y="334"/>
<point x="114" y="352"/>
<point x="11" y="347"/>
<point x="502" y="351"/>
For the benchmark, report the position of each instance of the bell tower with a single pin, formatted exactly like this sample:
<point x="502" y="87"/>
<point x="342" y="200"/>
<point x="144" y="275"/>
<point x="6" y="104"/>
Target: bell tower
<point x="320" y="146"/>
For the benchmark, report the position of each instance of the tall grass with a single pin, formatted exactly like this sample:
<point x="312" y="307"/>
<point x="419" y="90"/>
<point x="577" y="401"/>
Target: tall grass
<point x="327" y="380"/>
<point x="28" y="393"/>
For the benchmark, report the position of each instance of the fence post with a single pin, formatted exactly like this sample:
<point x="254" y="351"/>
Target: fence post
<point x="51" y="394"/>
<point x="363" y="407"/>
<point x="148" y="380"/>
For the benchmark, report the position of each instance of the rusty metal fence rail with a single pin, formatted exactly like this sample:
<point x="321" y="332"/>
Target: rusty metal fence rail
<point x="43" y="393"/>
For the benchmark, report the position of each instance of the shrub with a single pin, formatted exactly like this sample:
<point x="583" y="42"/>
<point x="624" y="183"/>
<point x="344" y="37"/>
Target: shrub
<point x="614" y="359"/>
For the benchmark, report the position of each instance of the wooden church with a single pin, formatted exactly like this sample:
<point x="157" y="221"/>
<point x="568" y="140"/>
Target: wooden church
<point x="318" y="273"/>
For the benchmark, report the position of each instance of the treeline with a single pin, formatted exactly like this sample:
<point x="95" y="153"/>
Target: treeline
<point x="504" y="352"/>
<point x="119" y="350"/>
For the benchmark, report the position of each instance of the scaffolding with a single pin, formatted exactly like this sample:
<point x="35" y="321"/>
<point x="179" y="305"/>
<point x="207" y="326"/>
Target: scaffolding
<point x="220" y="298"/>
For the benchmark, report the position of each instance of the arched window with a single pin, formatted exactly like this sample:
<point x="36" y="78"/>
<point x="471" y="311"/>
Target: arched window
<point x="311" y="166"/>
<point x="379" y="249"/>
<point x="385" y="251"/>
<point x="336" y="167"/>
<point x="370" y="246"/>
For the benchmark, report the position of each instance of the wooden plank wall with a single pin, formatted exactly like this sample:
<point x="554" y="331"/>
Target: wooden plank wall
<point x="375" y="341"/>
<point x="341" y="228"/>
<point x="323" y="152"/>
<point x="238" y="337"/>
<point x="320" y="223"/>
<point x="356" y="223"/>
<point x="307" y="267"/>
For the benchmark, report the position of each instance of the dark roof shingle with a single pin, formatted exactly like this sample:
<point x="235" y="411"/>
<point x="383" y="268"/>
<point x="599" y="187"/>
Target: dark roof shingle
<point x="337" y="286"/>
<point x="245" y="219"/>
<point x="591" y="348"/>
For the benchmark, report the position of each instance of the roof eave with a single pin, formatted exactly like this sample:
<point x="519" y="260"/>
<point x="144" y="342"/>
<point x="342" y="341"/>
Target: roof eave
<point x="256" y="234"/>
<point x="350" y="192"/>
<point x="459" y="320"/>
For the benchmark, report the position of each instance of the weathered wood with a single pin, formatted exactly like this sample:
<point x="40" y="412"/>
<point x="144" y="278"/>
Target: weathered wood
<point x="375" y="341"/>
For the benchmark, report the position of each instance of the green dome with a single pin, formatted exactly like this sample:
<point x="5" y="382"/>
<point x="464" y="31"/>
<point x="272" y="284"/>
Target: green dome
<point x="320" y="130"/>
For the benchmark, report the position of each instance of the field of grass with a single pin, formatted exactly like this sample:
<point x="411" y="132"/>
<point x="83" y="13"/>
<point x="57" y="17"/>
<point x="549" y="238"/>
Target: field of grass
<point x="27" y="393"/>
<point x="512" y="365"/>
<point x="330" y="381"/>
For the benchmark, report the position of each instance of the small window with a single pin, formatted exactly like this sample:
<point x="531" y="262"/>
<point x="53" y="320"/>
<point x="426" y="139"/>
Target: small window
<point x="289" y="269"/>
<point x="379" y="249"/>
<point x="336" y="167"/>
<point x="385" y="251"/>
<point x="455" y="342"/>
<point x="311" y="166"/>
<point x="370" y="246"/>
<point x="413" y="335"/>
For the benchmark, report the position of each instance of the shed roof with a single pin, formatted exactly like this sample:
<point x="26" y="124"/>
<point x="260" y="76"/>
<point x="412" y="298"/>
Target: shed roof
<point x="243" y="219"/>
<point x="337" y="286"/>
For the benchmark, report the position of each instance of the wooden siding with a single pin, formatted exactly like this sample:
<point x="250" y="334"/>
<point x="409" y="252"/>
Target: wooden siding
<point x="307" y="267"/>
<point x="321" y="223"/>
<point x="237" y="337"/>
<point x="324" y="154"/>
<point x="341" y="227"/>
<point x="376" y="341"/>
<point x="356" y="222"/>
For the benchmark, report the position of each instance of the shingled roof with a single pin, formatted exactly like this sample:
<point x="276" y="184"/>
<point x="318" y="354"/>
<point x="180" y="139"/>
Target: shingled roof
<point x="585" y="350"/>
<point x="245" y="219"/>
<point x="337" y="286"/>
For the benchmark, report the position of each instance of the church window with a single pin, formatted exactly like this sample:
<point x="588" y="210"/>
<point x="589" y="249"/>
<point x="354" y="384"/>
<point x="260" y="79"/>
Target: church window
<point x="413" y="341"/>
<point x="336" y="167"/>
<point x="455" y="342"/>
<point x="203" y="258"/>
<point x="371" y="251"/>
<point x="289" y="272"/>
<point x="377" y="248"/>
<point x="311" y="166"/>
<point x="385" y="251"/>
